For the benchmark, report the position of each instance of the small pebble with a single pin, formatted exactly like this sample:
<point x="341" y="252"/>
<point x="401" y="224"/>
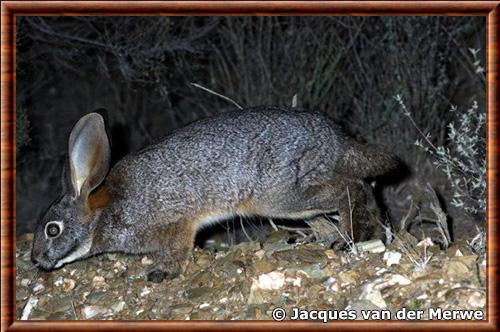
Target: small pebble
<point x="68" y="284"/>
<point x="38" y="288"/>
<point x="118" y="306"/>
<point x="146" y="261"/>
<point x="330" y="254"/>
<point x="392" y="257"/>
<point x="260" y="253"/>
<point x="91" y="311"/>
<point x="98" y="282"/>
<point x="204" y="305"/>
<point x="271" y="280"/>
<point x="145" y="291"/>
<point x="58" y="282"/>
<point x="477" y="300"/>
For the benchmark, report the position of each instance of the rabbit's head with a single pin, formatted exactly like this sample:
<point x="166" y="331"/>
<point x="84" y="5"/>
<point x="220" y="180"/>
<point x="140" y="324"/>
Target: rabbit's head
<point x="65" y="232"/>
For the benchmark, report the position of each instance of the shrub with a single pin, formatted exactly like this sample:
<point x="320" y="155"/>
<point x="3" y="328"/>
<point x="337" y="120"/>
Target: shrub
<point x="463" y="159"/>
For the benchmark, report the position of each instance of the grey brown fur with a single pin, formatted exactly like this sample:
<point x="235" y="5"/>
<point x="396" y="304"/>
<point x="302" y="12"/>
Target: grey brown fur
<point x="263" y="161"/>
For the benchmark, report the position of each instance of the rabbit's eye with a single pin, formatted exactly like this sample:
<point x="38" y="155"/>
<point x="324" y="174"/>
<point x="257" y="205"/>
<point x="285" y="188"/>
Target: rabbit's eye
<point x="53" y="229"/>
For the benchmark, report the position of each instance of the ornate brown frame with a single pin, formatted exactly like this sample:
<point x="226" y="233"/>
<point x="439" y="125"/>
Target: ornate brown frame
<point x="9" y="9"/>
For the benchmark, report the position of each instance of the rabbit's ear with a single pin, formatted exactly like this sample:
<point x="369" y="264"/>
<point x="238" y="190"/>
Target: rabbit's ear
<point x="89" y="154"/>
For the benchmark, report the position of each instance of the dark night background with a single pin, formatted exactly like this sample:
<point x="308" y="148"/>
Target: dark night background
<point x="141" y="68"/>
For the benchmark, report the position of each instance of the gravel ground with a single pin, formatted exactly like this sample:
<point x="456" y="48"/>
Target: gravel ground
<point x="249" y="280"/>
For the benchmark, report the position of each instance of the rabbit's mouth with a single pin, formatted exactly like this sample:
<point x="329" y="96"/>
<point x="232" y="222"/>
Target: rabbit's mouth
<point x="80" y="251"/>
<point x="44" y="263"/>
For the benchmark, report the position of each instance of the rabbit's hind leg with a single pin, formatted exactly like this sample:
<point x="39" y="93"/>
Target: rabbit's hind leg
<point x="359" y="215"/>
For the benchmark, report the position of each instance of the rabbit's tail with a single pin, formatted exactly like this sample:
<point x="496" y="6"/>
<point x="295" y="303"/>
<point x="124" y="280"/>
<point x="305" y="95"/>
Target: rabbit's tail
<point x="366" y="161"/>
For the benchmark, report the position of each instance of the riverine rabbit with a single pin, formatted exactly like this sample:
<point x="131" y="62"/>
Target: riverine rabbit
<point x="264" y="161"/>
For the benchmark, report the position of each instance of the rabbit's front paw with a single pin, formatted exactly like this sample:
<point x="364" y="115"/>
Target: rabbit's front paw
<point x="158" y="273"/>
<point x="169" y="264"/>
<point x="156" y="276"/>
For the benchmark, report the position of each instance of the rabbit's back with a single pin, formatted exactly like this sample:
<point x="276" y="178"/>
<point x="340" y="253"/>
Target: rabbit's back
<point x="224" y="160"/>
